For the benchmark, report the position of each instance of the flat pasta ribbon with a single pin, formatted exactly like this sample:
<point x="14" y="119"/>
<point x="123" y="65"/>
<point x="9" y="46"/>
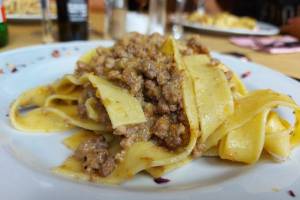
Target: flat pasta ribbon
<point x="278" y="137"/>
<point x="245" y="144"/>
<point x="213" y="95"/>
<point x="246" y="108"/>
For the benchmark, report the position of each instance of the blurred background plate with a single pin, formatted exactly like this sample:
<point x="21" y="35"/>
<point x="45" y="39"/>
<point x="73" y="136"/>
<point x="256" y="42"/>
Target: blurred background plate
<point x="26" y="17"/>
<point x="27" y="10"/>
<point x="263" y="29"/>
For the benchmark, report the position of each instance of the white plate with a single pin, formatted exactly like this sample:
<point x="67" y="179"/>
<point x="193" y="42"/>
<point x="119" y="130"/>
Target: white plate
<point x="261" y="29"/>
<point x="26" y="160"/>
<point x="29" y="17"/>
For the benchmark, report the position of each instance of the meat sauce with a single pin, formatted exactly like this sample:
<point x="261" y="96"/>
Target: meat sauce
<point x="137" y="64"/>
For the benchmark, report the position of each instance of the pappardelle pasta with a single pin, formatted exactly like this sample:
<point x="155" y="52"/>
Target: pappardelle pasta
<point x="151" y="103"/>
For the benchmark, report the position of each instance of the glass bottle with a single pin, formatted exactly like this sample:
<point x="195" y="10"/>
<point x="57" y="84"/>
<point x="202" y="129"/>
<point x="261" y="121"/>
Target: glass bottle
<point x="177" y="28"/>
<point x="3" y="26"/>
<point x="72" y="19"/>
<point x="46" y="22"/>
<point x="116" y="12"/>
<point x="157" y="16"/>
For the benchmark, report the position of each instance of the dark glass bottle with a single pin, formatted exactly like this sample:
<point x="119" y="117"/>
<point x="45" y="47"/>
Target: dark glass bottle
<point x="3" y="26"/>
<point x="72" y="19"/>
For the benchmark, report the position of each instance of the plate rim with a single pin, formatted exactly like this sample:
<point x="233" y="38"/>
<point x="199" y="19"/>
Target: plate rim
<point x="235" y="31"/>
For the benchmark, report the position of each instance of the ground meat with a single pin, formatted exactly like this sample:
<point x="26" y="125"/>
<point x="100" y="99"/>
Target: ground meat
<point x="87" y="93"/>
<point x="132" y="134"/>
<point x="163" y="76"/>
<point x="161" y="127"/>
<point x="173" y="107"/>
<point x="194" y="42"/>
<point x="229" y="75"/>
<point x="119" y="157"/>
<point x="122" y="63"/>
<point x="114" y="75"/>
<point x="152" y="90"/>
<point x="186" y="51"/>
<point x="172" y="92"/>
<point x="156" y="39"/>
<point x="99" y="70"/>
<point x="163" y="107"/>
<point x="109" y="63"/>
<point x="126" y="142"/>
<point x="133" y="80"/>
<point x="139" y="129"/>
<point x="198" y="149"/>
<point x="148" y="69"/>
<point x="90" y="92"/>
<point x="214" y="63"/>
<point x="149" y="109"/>
<point x="171" y="135"/>
<point x="103" y="115"/>
<point x="175" y="137"/>
<point x="120" y="52"/>
<point x="81" y="110"/>
<point x="95" y="156"/>
<point x="137" y="64"/>
<point x="181" y="117"/>
<point x="83" y="67"/>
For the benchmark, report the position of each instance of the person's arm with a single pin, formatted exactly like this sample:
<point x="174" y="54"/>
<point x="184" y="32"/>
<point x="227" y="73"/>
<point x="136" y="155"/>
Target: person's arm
<point x="212" y="7"/>
<point x="292" y="27"/>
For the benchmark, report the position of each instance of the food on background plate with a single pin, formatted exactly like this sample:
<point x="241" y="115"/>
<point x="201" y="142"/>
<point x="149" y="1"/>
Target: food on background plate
<point x="26" y="7"/>
<point x="152" y="103"/>
<point x="223" y="20"/>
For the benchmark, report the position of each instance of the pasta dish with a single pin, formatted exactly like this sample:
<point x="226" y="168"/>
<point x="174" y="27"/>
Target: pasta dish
<point x="26" y="7"/>
<point x="223" y="20"/>
<point x="153" y="104"/>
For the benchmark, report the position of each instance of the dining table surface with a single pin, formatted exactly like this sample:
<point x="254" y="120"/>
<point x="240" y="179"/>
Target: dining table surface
<point x="28" y="33"/>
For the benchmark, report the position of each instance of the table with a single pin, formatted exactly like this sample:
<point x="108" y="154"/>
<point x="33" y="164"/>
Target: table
<point x="26" y="34"/>
<point x="288" y="64"/>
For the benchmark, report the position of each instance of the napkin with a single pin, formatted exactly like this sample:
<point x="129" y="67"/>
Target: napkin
<point x="137" y="22"/>
<point x="273" y="45"/>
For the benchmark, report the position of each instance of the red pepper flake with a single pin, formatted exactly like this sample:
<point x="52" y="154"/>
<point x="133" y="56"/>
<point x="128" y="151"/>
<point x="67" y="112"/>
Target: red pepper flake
<point x="161" y="180"/>
<point x="1" y="71"/>
<point x="14" y="70"/>
<point x="246" y="74"/>
<point x="55" y="54"/>
<point x="291" y="193"/>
